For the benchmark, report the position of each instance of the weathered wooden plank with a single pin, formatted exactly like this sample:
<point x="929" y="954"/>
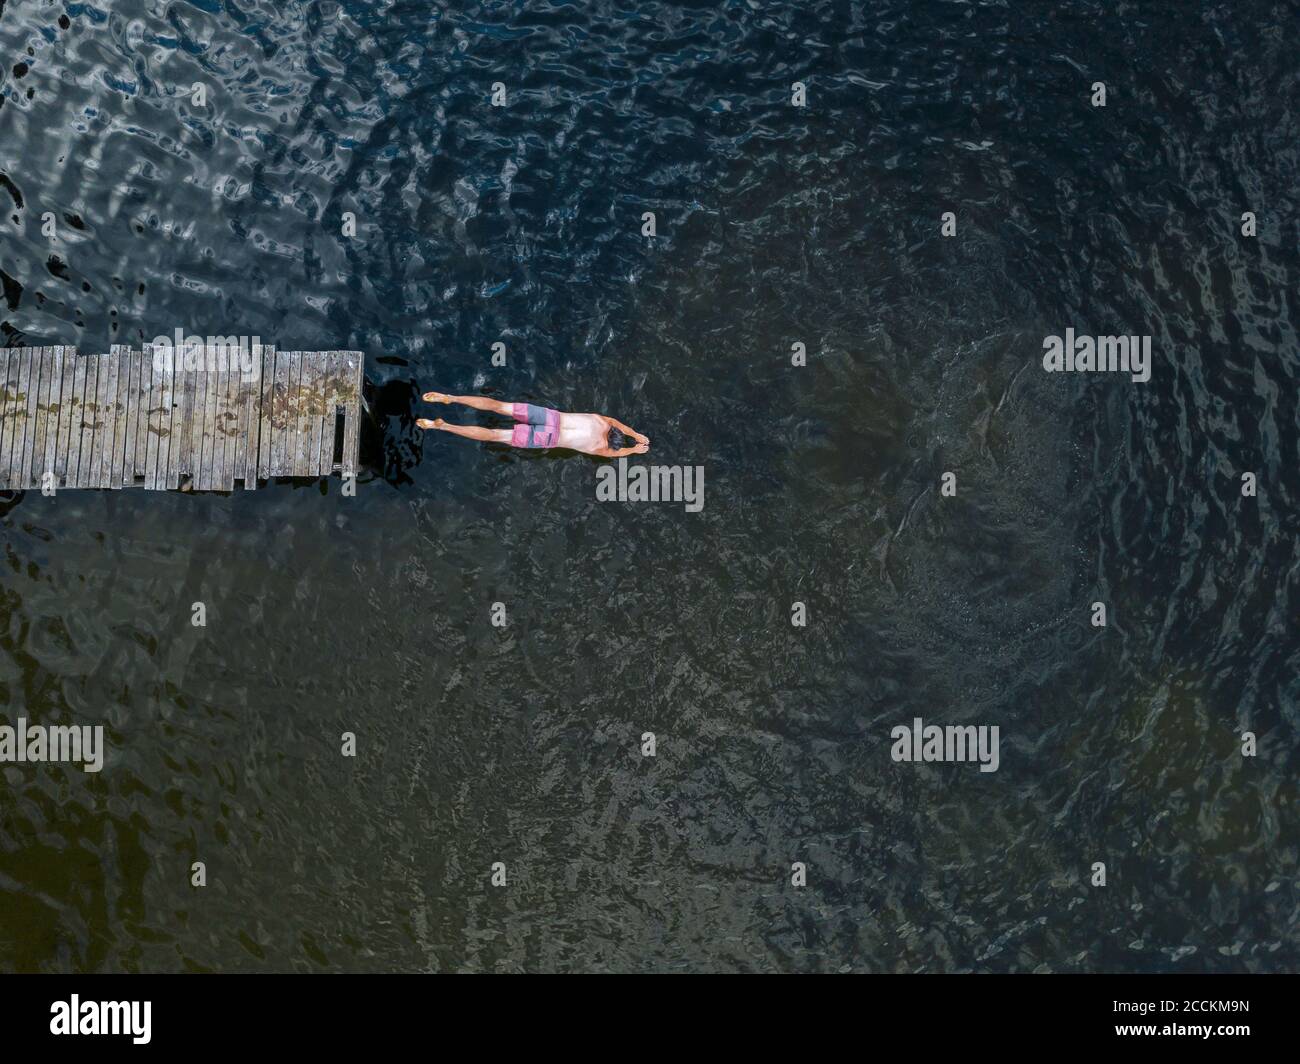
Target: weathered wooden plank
<point x="88" y="472"/>
<point x="328" y="396"/>
<point x="247" y="427"/>
<point x="13" y="459"/>
<point x="89" y="412"/>
<point x="157" y="459"/>
<point x="19" y="442"/>
<point x="298" y="455"/>
<point x="40" y="421"/>
<point x="153" y="408"/>
<point x="31" y="398"/>
<point x="295" y="416"/>
<point x="195" y="449"/>
<point x="13" y="420"/>
<point x="220" y="425"/>
<point x="93" y="410"/>
<point x="154" y="442"/>
<point x="176" y="427"/>
<point x="86" y="421"/>
<point x="139" y="443"/>
<point x="18" y="418"/>
<point x="40" y="427"/>
<point x="153" y="426"/>
<point x="106" y="420"/>
<point x="83" y="422"/>
<point x="203" y="423"/>
<point x="265" y="396"/>
<point x="306" y="381"/>
<point x="218" y="381"/>
<point x="120" y="471"/>
<point x="246" y="457"/>
<point x="291" y="413"/>
<point x="307" y="405"/>
<point x="186" y="378"/>
<point x="252" y="422"/>
<point x="103" y="443"/>
<point x="122" y="468"/>
<point x="231" y="423"/>
<point x="67" y="404"/>
<point x="352" y="407"/>
<point x="121" y="355"/>
<point x="86" y="468"/>
<point x="112" y="422"/>
<point x="144" y="419"/>
<point x="137" y="421"/>
<point x="161" y="420"/>
<point x="8" y="360"/>
<point x="265" y="450"/>
<point x="118" y="364"/>
<point x="198" y="419"/>
<point x="221" y="376"/>
<point x="131" y="433"/>
<point x="5" y="360"/>
<point x="67" y="408"/>
<point x="331" y="368"/>
<point x="53" y="405"/>
<point x="35" y="433"/>
<point x="167" y="368"/>
<point x="32" y="472"/>
<point x="33" y="409"/>
<point x="74" y="383"/>
<point x="322" y="410"/>
<point x="179" y="454"/>
<point x="241" y="427"/>
<point x="279" y="392"/>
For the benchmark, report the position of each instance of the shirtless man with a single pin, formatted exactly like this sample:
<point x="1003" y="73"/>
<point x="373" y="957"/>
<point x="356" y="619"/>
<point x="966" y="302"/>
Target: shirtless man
<point x="539" y="426"/>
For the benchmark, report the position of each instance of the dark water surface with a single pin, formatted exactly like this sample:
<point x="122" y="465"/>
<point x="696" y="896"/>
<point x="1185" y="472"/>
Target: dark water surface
<point x="776" y="225"/>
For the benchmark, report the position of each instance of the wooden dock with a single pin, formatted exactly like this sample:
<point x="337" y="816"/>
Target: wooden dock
<point x="205" y="419"/>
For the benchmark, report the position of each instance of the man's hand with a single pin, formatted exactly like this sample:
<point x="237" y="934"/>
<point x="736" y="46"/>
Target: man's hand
<point x="628" y="430"/>
<point x="436" y="397"/>
<point x="425" y="423"/>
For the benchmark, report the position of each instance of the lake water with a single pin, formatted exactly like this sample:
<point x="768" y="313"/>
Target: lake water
<point x="776" y="225"/>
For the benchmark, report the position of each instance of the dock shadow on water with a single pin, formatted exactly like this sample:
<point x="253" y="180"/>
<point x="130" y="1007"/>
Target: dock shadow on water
<point x="498" y="641"/>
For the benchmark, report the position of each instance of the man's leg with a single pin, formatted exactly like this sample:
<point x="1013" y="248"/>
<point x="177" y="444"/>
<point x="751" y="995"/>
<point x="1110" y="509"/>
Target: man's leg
<point x="470" y="432"/>
<point x="478" y="402"/>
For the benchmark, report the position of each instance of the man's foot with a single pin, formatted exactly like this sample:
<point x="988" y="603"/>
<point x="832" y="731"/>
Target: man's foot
<point x="436" y="397"/>
<point x="425" y="423"/>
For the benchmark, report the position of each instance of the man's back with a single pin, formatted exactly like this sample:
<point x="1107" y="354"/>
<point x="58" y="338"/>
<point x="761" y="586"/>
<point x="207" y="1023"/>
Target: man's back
<point x="583" y="432"/>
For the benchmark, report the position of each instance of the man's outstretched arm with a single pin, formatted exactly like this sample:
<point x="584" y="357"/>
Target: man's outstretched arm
<point x="623" y="452"/>
<point x="627" y="430"/>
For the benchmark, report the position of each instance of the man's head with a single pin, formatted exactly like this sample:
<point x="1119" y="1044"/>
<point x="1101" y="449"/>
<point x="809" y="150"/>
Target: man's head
<point x="615" y="440"/>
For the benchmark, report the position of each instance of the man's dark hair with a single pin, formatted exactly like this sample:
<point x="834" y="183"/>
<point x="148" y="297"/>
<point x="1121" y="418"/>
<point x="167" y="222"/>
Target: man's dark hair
<point x="616" y="441"/>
